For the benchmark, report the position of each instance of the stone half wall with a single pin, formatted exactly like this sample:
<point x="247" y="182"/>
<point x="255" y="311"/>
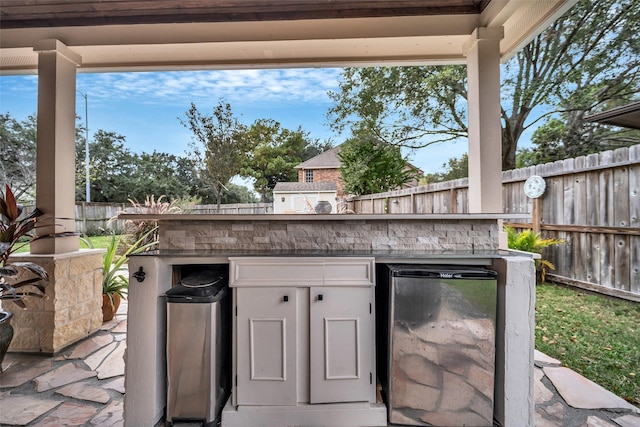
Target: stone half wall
<point x="72" y="309"/>
<point x="330" y="235"/>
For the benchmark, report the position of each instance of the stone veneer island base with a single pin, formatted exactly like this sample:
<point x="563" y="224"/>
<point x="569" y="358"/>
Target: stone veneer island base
<point x="436" y="239"/>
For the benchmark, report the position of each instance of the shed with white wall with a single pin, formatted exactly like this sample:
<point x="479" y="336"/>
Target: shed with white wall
<point x="300" y="197"/>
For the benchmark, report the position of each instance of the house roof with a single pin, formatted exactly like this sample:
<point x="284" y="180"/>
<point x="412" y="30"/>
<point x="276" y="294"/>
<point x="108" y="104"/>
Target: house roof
<point x="330" y="160"/>
<point x="326" y="160"/>
<point x="164" y="35"/>
<point x="625" y="116"/>
<point x="298" y="187"/>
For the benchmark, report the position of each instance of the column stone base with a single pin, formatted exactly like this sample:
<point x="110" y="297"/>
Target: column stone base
<point x="73" y="307"/>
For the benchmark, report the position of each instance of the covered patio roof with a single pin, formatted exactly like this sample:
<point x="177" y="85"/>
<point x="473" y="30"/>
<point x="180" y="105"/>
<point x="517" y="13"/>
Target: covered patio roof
<point x="58" y="39"/>
<point x="625" y="116"/>
<point x="200" y="34"/>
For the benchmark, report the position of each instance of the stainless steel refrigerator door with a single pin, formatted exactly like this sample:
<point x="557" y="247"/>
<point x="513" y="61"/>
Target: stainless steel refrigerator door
<point x="193" y="361"/>
<point x="442" y="351"/>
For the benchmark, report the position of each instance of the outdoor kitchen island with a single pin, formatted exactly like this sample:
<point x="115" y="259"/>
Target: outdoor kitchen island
<point x="320" y="258"/>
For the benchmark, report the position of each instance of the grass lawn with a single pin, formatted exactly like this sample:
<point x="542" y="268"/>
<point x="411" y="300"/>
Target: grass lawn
<point x="96" y="242"/>
<point x="595" y="335"/>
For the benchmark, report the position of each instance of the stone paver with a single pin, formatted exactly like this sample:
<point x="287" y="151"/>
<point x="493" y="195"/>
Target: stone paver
<point x="113" y="365"/>
<point x="85" y="391"/>
<point x="541" y="393"/>
<point x="542" y="359"/>
<point x="99" y="356"/>
<point x="21" y="410"/>
<point x="68" y="414"/>
<point x="116" y="384"/>
<point x="66" y="374"/>
<point x="89" y="346"/>
<point x="111" y="416"/>
<point x="121" y="328"/>
<point x="593" y="421"/>
<point x="42" y="391"/>
<point x="576" y="401"/>
<point x="554" y="412"/>
<point x="540" y="421"/>
<point x="628" y="421"/>
<point x="580" y="392"/>
<point x="19" y="373"/>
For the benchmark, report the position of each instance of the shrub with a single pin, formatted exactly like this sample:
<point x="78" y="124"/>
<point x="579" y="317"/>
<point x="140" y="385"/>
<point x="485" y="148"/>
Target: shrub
<point x="138" y="230"/>
<point x="529" y="241"/>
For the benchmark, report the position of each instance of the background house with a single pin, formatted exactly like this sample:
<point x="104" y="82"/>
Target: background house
<point x="325" y="167"/>
<point x="319" y="178"/>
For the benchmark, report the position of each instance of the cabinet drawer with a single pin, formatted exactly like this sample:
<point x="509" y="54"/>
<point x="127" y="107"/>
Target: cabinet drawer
<point x="294" y="271"/>
<point x="349" y="271"/>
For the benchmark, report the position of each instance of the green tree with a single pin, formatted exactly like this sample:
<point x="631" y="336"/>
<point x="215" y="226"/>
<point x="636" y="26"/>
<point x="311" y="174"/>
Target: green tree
<point x="18" y="160"/>
<point x="406" y="106"/>
<point x="274" y="154"/>
<point x="371" y="166"/>
<point x="112" y="168"/>
<point x="238" y="194"/>
<point x="116" y="173"/>
<point x="155" y="174"/>
<point x="187" y="172"/>
<point x="217" y="146"/>
<point x="525" y="157"/>
<point x="587" y="60"/>
<point x="314" y="147"/>
<point x="455" y="168"/>
<point x="558" y="139"/>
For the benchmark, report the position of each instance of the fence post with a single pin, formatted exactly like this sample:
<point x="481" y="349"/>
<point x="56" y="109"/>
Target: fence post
<point x="535" y="216"/>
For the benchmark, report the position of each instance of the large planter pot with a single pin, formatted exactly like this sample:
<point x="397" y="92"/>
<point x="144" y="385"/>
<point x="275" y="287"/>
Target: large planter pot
<point x="6" y="334"/>
<point x="109" y="309"/>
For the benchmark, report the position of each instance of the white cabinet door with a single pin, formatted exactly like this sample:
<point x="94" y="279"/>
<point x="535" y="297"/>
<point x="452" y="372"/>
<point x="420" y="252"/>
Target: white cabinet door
<point x="341" y="344"/>
<point x="266" y="346"/>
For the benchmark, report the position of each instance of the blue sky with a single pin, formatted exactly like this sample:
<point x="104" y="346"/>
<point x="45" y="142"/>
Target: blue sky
<point x="145" y="107"/>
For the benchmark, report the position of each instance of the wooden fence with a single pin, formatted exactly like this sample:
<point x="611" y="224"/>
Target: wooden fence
<point x="92" y="218"/>
<point x="234" y="208"/>
<point x="95" y="218"/>
<point x="592" y="202"/>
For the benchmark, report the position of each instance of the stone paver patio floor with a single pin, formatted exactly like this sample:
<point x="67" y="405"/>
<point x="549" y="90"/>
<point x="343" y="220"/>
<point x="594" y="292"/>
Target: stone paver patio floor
<point x="84" y="386"/>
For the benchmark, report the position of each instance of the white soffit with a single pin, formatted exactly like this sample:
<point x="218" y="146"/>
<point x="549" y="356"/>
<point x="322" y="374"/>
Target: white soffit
<point x="522" y="20"/>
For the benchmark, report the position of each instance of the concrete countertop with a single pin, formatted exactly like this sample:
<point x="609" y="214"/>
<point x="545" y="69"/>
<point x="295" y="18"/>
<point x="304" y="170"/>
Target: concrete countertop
<point x="481" y="257"/>
<point x="318" y="217"/>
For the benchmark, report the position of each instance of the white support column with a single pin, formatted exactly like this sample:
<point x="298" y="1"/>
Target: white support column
<point x="515" y="335"/>
<point x="485" y="138"/>
<point x="55" y="156"/>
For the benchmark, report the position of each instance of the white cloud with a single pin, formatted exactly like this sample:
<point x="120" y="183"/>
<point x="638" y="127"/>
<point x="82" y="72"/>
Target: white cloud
<point x="253" y="86"/>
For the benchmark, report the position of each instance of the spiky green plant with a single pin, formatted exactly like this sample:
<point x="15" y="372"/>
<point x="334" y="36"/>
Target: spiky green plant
<point x="114" y="281"/>
<point x="529" y="241"/>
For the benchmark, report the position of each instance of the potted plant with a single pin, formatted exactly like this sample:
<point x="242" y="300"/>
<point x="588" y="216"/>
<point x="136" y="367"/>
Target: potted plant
<point x="18" y="279"/>
<point x="144" y="236"/>
<point x="115" y="281"/>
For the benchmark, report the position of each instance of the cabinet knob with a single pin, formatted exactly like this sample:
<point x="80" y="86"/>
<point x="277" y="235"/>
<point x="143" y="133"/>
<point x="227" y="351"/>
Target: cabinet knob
<point x="285" y="298"/>
<point x="320" y="297"/>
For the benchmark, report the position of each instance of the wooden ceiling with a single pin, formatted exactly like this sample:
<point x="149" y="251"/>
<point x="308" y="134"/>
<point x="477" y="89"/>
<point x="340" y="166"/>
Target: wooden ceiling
<point x="71" y="13"/>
